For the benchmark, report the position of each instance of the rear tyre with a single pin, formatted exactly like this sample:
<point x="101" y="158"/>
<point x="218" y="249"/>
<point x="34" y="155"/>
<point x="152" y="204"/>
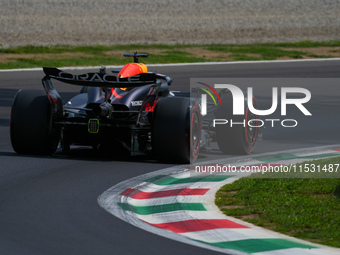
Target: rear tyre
<point x="238" y="139"/>
<point x="31" y="127"/>
<point x="176" y="130"/>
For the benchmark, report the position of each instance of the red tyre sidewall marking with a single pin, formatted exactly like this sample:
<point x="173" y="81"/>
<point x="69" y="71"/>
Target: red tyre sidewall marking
<point x="195" y="152"/>
<point x="246" y="131"/>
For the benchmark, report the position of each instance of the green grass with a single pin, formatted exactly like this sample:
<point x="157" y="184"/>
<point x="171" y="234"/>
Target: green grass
<point x="97" y="60"/>
<point x="30" y="49"/>
<point x="159" y="53"/>
<point x="265" y="53"/>
<point x="306" y="208"/>
<point x="304" y="44"/>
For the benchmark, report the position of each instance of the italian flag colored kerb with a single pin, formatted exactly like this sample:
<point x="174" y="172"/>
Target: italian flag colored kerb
<point x="182" y="204"/>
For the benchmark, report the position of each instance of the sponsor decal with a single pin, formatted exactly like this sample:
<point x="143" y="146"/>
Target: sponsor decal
<point x="95" y="77"/>
<point x="136" y="103"/>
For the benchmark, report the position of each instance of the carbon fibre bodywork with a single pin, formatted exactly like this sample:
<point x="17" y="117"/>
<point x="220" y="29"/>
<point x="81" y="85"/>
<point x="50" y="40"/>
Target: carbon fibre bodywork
<point x="129" y="110"/>
<point x="121" y="107"/>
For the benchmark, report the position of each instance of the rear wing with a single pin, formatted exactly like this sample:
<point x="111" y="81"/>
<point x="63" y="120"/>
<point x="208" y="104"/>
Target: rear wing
<point x="101" y="79"/>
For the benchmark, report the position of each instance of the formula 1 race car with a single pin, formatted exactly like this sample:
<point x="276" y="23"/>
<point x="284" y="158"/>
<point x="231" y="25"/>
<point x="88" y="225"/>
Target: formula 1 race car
<point x="129" y="109"/>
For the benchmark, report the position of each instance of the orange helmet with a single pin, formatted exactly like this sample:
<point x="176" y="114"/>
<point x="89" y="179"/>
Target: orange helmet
<point x="132" y="69"/>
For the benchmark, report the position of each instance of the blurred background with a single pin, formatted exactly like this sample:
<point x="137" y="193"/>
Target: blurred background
<point x="110" y="22"/>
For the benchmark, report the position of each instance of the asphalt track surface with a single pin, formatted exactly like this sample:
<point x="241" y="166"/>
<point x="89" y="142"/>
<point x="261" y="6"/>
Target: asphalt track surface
<point x="48" y="205"/>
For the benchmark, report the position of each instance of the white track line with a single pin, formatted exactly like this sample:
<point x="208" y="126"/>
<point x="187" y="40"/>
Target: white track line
<point x="179" y="64"/>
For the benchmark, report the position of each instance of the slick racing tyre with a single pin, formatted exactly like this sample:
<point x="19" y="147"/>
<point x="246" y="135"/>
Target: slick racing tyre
<point x="236" y="138"/>
<point x="31" y="127"/>
<point x="176" y="130"/>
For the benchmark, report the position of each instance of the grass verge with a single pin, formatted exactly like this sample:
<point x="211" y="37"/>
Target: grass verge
<point x="306" y="208"/>
<point x="63" y="55"/>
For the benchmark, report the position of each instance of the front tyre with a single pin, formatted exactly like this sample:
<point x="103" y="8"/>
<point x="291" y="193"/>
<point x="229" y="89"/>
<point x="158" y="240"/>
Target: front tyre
<point x="31" y="126"/>
<point x="195" y="130"/>
<point x="241" y="138"/>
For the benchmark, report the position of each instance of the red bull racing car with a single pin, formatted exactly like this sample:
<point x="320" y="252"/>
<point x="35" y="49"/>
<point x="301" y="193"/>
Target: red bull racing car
<point x="129" y="109"/>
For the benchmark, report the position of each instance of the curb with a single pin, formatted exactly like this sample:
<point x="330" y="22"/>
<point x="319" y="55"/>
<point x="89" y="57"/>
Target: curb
<point x="179" y="204"/>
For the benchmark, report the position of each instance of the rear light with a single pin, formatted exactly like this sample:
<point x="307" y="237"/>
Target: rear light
<point x="93" y="126"/>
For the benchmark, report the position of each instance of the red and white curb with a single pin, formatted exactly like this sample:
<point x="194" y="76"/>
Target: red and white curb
<point x="178" y="203"/>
